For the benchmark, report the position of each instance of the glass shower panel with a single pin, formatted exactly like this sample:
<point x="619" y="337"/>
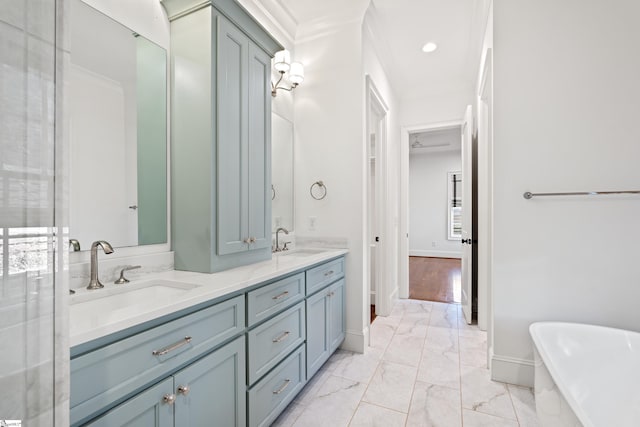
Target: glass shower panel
<point x="34" y="353"/>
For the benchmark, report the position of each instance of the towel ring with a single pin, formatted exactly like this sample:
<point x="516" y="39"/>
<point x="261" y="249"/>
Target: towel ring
<point x="273" y="192"/>
<point x="321" y="187"/>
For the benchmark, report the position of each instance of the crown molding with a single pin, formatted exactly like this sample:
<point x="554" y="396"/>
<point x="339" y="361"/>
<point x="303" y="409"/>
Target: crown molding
<point x="276" y="19"/>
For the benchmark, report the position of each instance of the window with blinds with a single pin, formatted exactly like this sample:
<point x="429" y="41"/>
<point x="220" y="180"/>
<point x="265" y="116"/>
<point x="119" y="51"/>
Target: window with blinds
<point x="454" y="205"/>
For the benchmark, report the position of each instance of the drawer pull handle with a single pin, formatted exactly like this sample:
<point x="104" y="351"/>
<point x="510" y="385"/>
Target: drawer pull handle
<point x="282" y="295"/>
<point x="172" y="347"/>
<point x="169" y="399"/>
<point x="282" y="337"/>
<point x="283" y="387"/>
<point x="328" y="273"/>
<point x="184" y="389"/>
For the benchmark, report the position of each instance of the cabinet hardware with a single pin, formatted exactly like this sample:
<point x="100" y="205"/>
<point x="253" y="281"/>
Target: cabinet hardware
<point x="184" y="389"/>
<point x="252" y="239"/>
<point x="282" y="337"/>
<point x="123" y="279"/>
<point x="283" y="387"/>
<point x="247" y="241"/>
<point x="328" y="273"/>
<point x="282" y="295"/>
<point x="172" y="347"/>
<point x="169" y="399"/>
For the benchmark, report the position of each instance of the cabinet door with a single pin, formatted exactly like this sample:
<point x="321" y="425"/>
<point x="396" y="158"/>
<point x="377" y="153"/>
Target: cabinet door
<point x="259" y="128"/>
<point x="232" y="139"/>
<point x="211" y="391"/>
<point x="317" y="331"/>
<point x="336" y="315"/>
<point x="147" y="409"/>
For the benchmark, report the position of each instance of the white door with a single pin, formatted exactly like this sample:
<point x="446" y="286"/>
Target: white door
<point x="467" y="181"/>
<point x="376" y="185"/>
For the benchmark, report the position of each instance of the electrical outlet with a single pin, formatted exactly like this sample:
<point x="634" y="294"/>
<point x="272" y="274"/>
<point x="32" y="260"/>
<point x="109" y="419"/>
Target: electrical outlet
<point x="312" y="223"/>
<point x="433" y="244"/>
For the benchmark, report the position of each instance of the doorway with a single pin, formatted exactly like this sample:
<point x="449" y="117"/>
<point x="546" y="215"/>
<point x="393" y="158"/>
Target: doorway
<point x="433" y="203"/>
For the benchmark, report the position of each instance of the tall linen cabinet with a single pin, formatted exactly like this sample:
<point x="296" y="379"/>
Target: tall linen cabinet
<point x="220" y="135"/>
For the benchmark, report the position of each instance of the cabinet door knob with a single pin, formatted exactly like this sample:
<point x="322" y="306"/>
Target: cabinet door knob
<point x="246" y="241"/>
<point x="169" y="399"/>
<point x="184" y="389"/>
<point x="252" y="239"/>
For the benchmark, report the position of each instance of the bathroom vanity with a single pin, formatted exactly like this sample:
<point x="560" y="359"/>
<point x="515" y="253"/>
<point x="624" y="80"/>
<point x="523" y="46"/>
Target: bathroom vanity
<point x="228" y="349"/>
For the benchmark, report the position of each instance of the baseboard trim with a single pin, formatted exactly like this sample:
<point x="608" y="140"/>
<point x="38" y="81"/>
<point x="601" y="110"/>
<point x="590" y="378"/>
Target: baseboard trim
<point x="356" y="341"/>
<point x="435" y="254"/>
<point x="512" y="370"/>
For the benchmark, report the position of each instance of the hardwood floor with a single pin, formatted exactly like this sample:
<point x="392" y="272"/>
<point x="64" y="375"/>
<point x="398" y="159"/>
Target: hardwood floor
<point x="434" y="279"/>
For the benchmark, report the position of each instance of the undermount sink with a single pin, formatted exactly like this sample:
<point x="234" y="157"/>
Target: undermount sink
<point x="302" y="252"/>
<point x="126" y="297"/>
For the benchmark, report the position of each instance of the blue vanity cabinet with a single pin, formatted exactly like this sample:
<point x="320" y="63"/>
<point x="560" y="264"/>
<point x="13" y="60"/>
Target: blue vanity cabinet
<point x="337" y="325"/>
<point x="221" y="135"/>
<point x="147" y="409"/>
<point x="325" y="319"/>
<point x="317" y="331"/>
<point x="244" y="146"/>
<point x="210" y="391"/>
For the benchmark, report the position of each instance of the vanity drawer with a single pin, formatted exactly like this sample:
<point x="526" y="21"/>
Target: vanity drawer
<point x="103" y="376"/>
<point x="271" y="299"/>
<point x="323" y="275"/>
<point x="270" y="342"/>
<point x="269" y="397"/>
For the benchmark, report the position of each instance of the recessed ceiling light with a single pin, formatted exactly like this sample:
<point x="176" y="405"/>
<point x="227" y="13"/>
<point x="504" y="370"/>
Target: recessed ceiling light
<point x="429" y="47"/>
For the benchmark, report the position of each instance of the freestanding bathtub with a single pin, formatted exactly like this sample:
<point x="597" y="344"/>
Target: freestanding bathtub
<point x="586" y="375"/>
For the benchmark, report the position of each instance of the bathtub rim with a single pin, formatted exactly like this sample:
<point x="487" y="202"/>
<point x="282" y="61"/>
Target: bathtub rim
<point x="535" y="332"/>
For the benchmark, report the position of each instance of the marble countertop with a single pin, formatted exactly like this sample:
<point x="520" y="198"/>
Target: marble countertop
<point x="93" y="316"/>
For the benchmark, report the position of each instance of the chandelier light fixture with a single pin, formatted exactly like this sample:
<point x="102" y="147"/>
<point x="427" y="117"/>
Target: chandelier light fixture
<point x="282" y="63"/>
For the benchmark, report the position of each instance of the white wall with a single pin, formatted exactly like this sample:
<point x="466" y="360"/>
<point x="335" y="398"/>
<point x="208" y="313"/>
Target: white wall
<point x="374" y="69"/>
<point x="566" y="92"/>
<point x="428" y="204"/>
<point x="328" y="135"/>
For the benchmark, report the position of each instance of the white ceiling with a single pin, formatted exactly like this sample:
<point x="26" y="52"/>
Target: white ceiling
<point x="402" y="27"/>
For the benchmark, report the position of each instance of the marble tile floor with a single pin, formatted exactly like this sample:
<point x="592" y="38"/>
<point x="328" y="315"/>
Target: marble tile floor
<point x="425" y="367"/>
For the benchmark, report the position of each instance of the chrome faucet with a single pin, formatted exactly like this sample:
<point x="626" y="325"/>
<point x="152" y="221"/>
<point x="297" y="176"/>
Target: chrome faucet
<point x="75" y="244"/>
<point x="277" y="249"/>
<point x="94" y="283"/>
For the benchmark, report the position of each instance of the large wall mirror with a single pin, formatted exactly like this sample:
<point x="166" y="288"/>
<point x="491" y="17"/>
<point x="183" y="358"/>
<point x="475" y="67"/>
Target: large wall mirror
<point x="116" y="97"/>
<point x="281" y="173"/>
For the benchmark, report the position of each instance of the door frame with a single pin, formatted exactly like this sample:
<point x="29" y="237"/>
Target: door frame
<point x="374" y="100"/>
<point x="403" y="234"/>
<point x="485" y="198"/>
